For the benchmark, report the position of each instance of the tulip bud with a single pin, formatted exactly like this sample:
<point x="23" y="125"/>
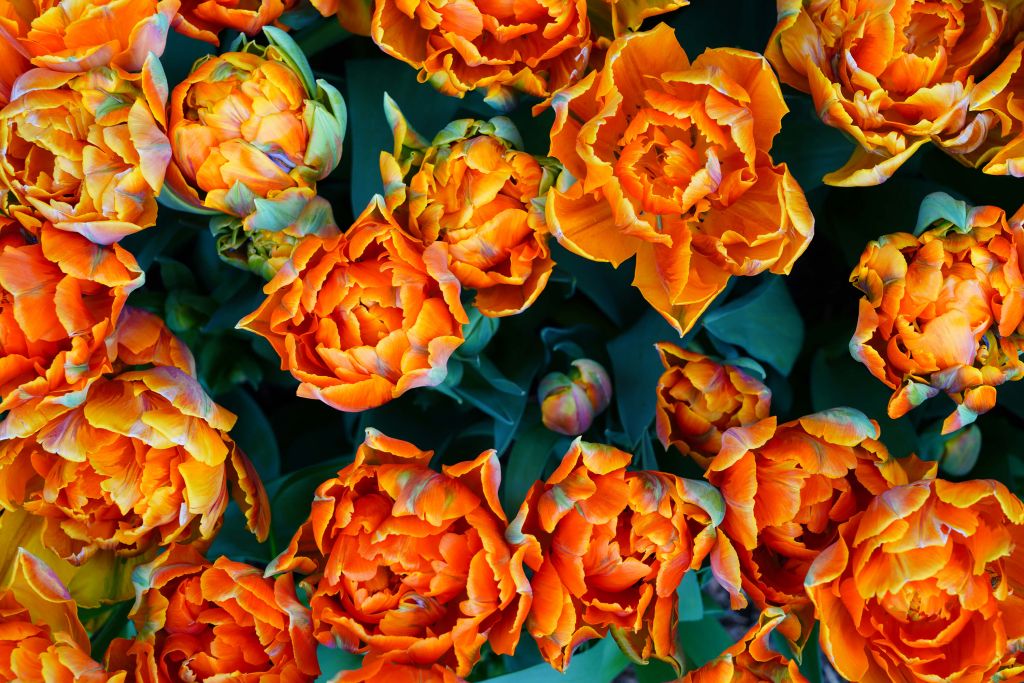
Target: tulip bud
<point x="570" y="401"/>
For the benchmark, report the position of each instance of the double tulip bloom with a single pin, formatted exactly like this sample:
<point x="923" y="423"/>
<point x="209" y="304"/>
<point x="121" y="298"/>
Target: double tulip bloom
<point x="669" y="161"/>
<point x="590" y="578"/>
<point x="699" y="399"/>
<point x="252" y="134"/>
<point x="137" y="459"/>
<point x="408" y="564"/>
<point x="897" y="74"/>
<point x="202" y="621"/>
<point x="944" y="312"/>
<point x="924" y="585"/>
<point x="476" y="193"/>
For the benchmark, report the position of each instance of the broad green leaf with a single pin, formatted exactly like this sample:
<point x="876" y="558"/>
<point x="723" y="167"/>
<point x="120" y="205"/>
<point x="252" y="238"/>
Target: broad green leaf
<point x="334" y="660"/>
<point x="253" y="433"/>
<point x="703" y="640"/>
<point x="635" y="372"/>
<point x="478" y="333"/>
<point x="764" y="322"/>
<point x="535" y="446"/>
<point x="691" y="602"/>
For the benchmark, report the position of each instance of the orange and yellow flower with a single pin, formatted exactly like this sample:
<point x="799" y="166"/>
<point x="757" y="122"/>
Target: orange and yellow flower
<point x="41" y="638"/>
<point x="134" y="460"/>
<point x="60" y="297"/>
<point x="362" y="318"/>
<point x="998" y="99"/>
<point x="79" y="35"/>
<point x="614" y="18"/>
<point x="408" y="564"/>
<point x="924" y="585"/>
<point x="375" y="669"/>
<point x="698" y="399"/>
<point x="609" y="548"/>
<point x="475" y="193"/>
<point x="535" y="46"/>
<point x="202" y="621"/>
<point x="896" y="74"/>
<point x="944" y="312"/>
<point x="12" y="65"/>
<point x="205" y="19"/>
<point x="788" y="487"/>
<point x="669" y="162"/>
<point x="251" y="135"/>
<point x="87" y="151"/>
<point x="753" y="659"/>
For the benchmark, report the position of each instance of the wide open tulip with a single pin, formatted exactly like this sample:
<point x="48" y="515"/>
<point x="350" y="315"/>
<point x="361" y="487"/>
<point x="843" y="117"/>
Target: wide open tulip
<point x="60" y="297"/>
<point x="79" y="35"/>
<point x="698" y="399"/>
<point x="252" y="133"/>
<point x="87" y="151"/>
<point x="894" y="74"/>
<point x="137" y="459"/>
<point x="944" y="312"/>
<point x="220" y="621"/>
<point x="609" y="548"/>
<point x="41" y="638"/>
<point x="205" y="19"/>
<point x="788" y="487"/>
<point x="475" y="193"/>
<point x="926" y="585"/>
<point x="534" y="46"/>
<point x="669" y="162"/>
<point x="362" y="318"/>
<point x="408" y="564"/>
<point x="753" y="658"/>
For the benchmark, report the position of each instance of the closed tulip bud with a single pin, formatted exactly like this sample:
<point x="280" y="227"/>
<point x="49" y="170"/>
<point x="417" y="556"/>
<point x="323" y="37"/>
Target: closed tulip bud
<point x="570" y="401"/>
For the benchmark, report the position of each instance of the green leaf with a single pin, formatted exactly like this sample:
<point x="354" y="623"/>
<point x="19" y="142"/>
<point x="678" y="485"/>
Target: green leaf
<point x="534" y="447"/>
<point x="253" y="433"/>
<point x="478" y="333"/>
<point x="810" y="661"/>
<point x="939" y="206"/>
<point x="115" y="625"/>
<point x="291" y="498"/>
<point x="334" y="660"/>
<point x="764" y="322"/>
<point x="635" y="372"/>
<point x="600" y="664"/>
<point x="703" y="640"/>
<point x="691" y="602"/>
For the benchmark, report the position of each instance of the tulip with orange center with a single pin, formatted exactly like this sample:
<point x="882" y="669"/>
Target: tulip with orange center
<point x="895" y="75"/>
<point x="205" y="19"/>
<point x="473" y="191"/>
<point x="754" y="659"/>
<point x="944" y="312"/>
<point x="252" y="133"/>
<point x="362" y="318"/>
<point x="214" y="621"/>
<point x="60" y="298"/>
<point x="698" y="399"/>
<point x="78" y="35"/>
<point x="41" y="638"/>
<point x="87" y="151"/>
<point x="137" y="459"/>
<point x="535" y="46"/>
<point x="788" y="487"/>
<point x="924" y="585"/>
<point x="408" y="564"/>
<point x="669" y="161"/>
<point x="609" y="548"/>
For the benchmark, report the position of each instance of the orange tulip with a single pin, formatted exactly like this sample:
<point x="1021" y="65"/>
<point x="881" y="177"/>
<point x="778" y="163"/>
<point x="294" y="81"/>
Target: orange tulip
<point x="60" y="297"/>
<point x="998" y="99"/>
<point x="380" y="668"/>
<point x="353" y="15"/>
<point x="205" y="19"/>
<point x="788" y="487"/>
<point x="251" y="135"/>
<point x="534" y="46"/>
<point x="79" y="35"/>
<point x="924" y="585"/>
<point x="591" y="577"/>
<point x="614" y="18"/>
<point x="472" y="191"/>
<point x="202" y="621"/>
<point x="669" y="162"/>
<point x="753" y="659"/>
<point x="135" y="460"/>
<point x="41" y="638"/>
<point x="698" y="399"/>
<point x="362" y="318"/>
<point x="12" y="65"/>
<point x="894" y="75"/>
<point x="944" y="312"/>
<point x="87" y="151"/>
<point x="408" y="564"/>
